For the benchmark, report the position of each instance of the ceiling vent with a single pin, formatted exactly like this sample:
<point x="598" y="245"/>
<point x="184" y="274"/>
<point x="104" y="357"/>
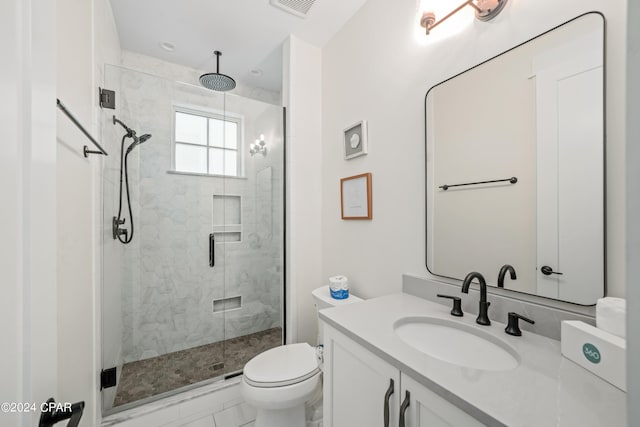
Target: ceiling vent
<point x="300" y="8"/>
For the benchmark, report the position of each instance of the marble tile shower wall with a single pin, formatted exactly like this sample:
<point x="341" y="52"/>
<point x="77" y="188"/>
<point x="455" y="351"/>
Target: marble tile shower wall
<point x="168" y="287"/>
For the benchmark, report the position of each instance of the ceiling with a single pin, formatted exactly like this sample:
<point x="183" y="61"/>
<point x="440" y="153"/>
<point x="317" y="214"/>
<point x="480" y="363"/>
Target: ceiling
<point x="249" y="33"/>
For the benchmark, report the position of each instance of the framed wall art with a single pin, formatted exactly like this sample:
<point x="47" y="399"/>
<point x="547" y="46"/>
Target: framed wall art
<point x="355" y="140"/>
<point x="355" y="197"/>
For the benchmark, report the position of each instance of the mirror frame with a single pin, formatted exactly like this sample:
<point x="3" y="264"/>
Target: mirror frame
<point x="493" y="289"/>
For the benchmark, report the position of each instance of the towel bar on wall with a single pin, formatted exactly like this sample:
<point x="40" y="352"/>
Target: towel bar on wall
<point x="86" y="150"/>
<point x="512" y="180"/>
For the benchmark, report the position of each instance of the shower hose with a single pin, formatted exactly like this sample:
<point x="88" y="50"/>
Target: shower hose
<point x="128" y="236"/>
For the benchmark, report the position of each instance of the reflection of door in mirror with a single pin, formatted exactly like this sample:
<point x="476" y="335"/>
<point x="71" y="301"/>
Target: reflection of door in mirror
<point x="569" y="105"/>
<point x="535" y="113"/>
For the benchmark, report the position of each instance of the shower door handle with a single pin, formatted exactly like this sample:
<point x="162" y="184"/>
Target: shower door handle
<point x="212" y="250"/>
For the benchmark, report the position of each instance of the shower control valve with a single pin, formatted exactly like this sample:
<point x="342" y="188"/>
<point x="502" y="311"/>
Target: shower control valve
<point x="117" y="231"/>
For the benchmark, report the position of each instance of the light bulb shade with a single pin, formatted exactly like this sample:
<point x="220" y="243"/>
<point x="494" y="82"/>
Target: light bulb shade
<point x="259" y="146"/>
<point x="427" y="20"/>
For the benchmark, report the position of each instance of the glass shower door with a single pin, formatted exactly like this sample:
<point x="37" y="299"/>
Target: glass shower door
<point x="196" y="288"/>
<point x="253" y="226"/>
<point x="160" y="330"/>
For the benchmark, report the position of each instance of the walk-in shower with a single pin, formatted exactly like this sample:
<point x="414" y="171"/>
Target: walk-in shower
<point x="171" y="319"/>
<point x="118" y="223"/>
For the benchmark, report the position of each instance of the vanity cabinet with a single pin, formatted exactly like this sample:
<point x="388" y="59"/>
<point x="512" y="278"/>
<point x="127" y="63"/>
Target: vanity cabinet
<point x="427" y="409"/>
<point x="355" y="385"/>
<point x="359" y="387"/>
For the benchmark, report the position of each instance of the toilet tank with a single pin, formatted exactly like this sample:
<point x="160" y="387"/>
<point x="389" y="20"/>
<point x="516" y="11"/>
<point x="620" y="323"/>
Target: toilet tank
<point x="322" y="299"/>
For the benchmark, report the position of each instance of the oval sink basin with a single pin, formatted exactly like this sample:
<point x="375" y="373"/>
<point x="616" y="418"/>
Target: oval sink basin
<point x="457" y="343"/>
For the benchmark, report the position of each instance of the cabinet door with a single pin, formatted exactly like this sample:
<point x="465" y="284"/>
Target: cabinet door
<point x="427" y="409"/>
<point x="356" y="384"/>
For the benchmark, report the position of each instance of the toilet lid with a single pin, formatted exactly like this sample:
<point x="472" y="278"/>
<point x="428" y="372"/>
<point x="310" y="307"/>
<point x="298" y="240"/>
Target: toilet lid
<point x="280" y="366"/>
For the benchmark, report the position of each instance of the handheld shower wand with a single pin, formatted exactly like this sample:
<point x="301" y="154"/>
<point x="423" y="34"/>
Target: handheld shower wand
<point x="123" y="235"/>
<point x="137" y="141"/>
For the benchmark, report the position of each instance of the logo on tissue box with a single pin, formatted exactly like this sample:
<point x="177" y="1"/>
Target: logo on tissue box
<point x="591" y="353"/>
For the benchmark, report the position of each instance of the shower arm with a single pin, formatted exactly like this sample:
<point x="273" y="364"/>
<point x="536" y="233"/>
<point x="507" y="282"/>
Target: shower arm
<point x="130" y="132"/>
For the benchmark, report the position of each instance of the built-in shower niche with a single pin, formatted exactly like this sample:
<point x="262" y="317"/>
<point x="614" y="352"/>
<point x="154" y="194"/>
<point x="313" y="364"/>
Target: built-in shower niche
<point x="227" y="218"/>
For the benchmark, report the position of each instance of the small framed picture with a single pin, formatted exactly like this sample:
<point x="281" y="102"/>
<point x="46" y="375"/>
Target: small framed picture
<point x="355" y="140"/>
<point x="355" y="195"/>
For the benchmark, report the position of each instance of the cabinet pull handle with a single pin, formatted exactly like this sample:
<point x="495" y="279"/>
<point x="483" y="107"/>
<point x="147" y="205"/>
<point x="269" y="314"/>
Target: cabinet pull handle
<point x="212" y="250"/>
<point x="387" y="396"/>
<point x="403" y="408"/>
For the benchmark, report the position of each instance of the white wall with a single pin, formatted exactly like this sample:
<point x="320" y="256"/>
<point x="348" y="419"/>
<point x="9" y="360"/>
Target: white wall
<point x="302" y="98"/>
<point x="28" y="360"/>
<point x="86" y="37"/>
<point x="633" y="209"/>
<point x="74" y="69"/>
<point x="11" y="250"/>
<point x="376" y="69"/>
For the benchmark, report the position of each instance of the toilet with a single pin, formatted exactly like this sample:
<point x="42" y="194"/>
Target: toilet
<point x="279" y="381"/>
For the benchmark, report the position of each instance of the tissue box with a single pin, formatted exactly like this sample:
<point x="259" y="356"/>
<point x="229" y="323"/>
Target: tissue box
<point x="596" y="350"/>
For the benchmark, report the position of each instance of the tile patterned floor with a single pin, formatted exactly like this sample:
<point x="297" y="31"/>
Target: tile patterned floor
<point x="241" y="415"/>
<point x="149" y="377"/>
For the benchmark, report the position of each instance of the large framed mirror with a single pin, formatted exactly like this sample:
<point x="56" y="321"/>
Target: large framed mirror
<point x="515" y="166"/>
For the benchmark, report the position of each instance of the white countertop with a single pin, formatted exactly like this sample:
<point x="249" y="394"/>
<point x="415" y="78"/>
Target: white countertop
<point x="544" y="390"/>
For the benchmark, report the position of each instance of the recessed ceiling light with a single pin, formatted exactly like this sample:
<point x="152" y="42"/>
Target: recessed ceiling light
<point x="256" y="72"/>
<point x="169" y="47"/>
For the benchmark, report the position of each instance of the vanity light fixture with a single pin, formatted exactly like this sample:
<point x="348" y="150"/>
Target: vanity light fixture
<point x="260" y="146"/>
<point x="486" y="10"/>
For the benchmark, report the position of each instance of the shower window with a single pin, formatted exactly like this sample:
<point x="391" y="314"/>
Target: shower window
<point x="207" y="143"/>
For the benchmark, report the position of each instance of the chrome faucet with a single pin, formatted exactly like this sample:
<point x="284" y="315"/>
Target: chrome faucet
<point x="483" y="317"/>
<point x="503" y="272"/>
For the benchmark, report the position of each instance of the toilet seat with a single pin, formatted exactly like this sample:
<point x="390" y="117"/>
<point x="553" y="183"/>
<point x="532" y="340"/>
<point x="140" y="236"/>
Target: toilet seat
<point x="282" y="366"/>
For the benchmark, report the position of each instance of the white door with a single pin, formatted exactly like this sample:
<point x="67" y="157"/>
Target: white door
<point x="358" y="386"/>
<point x="427" y="409"/>
<point x="570" y="171"/>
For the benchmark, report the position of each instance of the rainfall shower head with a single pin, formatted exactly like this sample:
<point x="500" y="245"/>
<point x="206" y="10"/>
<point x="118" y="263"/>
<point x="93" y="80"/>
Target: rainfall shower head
<point x="137" y="141"/>
<point x="216" y="81"/>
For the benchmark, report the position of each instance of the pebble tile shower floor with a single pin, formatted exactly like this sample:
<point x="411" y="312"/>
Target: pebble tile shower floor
<point x="150" y="377"/>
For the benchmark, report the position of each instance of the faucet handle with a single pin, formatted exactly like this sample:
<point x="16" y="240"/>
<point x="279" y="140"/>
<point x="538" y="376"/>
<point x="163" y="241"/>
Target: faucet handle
<point x="513" y="327"/>
<point x="457" y="305"/>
